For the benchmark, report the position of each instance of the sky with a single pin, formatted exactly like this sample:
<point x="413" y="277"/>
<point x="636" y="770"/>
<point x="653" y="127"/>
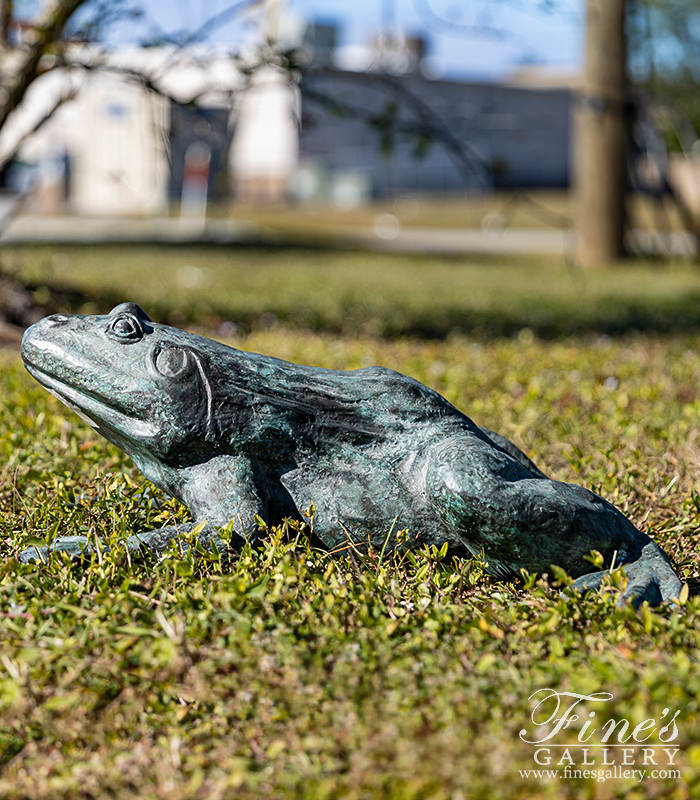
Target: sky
<point x="467" y="39"/>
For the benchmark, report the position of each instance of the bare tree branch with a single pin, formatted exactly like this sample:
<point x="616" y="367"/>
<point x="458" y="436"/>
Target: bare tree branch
<point x="184" y="38"/>
<point x="24" y="71"/>
<point x="63" y="98"/>
<point x="222" y="18"/>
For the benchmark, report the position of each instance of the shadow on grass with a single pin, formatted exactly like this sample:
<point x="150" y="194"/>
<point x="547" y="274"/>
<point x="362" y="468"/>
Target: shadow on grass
<point x="377" y="313"/>
<point x="613" y="317"/>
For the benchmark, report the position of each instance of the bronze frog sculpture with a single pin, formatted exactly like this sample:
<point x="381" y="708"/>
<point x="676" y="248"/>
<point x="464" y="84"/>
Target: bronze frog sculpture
<point x="233" y="435"/>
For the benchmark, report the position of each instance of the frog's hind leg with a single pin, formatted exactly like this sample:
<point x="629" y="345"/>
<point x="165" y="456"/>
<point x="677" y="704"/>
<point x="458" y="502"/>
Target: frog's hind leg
<point x="514" y="452"/>
<point x="467" y="481"/>
<point x="492" y="500"/>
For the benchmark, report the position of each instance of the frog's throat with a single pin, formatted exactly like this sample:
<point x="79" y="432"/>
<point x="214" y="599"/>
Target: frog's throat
<point x="93" y="410"/>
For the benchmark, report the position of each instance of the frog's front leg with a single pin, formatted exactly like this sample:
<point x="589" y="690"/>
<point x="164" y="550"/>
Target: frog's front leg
<point x="218" y="492"/>
<point x="75" y="546"/>
<point x="156" y="541"/>
<point x="223" y="490"/>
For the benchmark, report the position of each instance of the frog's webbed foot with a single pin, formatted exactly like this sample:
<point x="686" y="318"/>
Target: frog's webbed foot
<point x="156" y="541"/>
<point x="650" y="577"/>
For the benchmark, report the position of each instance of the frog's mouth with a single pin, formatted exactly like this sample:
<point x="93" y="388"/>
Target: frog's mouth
<point x="95" y="411"/>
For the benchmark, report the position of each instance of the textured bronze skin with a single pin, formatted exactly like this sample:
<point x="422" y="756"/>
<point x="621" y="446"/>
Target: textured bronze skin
<point x="234" y="435"/>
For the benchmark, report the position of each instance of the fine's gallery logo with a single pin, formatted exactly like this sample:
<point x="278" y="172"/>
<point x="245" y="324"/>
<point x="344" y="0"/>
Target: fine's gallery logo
<point x="603" y="746"/>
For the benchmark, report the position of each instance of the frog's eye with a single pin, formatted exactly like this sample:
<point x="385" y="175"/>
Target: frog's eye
<point x="125" y="328"/>
<point x="171" y="361"/>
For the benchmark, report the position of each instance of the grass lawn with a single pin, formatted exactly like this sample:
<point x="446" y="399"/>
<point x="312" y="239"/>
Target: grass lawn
<point x="370" y="293"/>
<point x="289" y="673"/>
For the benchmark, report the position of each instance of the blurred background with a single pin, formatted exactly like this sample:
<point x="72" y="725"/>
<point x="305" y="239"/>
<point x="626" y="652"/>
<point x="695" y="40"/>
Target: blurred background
<point x="548" y="137"/>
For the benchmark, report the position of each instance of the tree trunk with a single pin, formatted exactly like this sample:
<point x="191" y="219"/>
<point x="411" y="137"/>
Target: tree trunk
<point x="600" y="146"/>
<point x="5" y="19"/>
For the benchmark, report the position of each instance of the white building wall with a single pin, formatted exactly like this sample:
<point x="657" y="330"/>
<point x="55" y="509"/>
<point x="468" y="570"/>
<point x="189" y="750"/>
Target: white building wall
<point x="265" y="147"/>
<point x="121" y="167"/>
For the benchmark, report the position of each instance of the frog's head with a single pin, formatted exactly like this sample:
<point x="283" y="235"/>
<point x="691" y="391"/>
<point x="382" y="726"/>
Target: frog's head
<point x="145" y="387"/>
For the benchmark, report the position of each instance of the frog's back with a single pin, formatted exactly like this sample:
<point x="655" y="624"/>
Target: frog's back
<point x="317" y="405"/>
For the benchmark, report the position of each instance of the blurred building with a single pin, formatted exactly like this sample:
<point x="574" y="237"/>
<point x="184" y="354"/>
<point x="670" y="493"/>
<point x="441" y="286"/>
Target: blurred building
<point x="376" y="122"/>
<point x="358" y="126"/>
<point x="117" y="148"/>
<point x="441" y="136"/>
